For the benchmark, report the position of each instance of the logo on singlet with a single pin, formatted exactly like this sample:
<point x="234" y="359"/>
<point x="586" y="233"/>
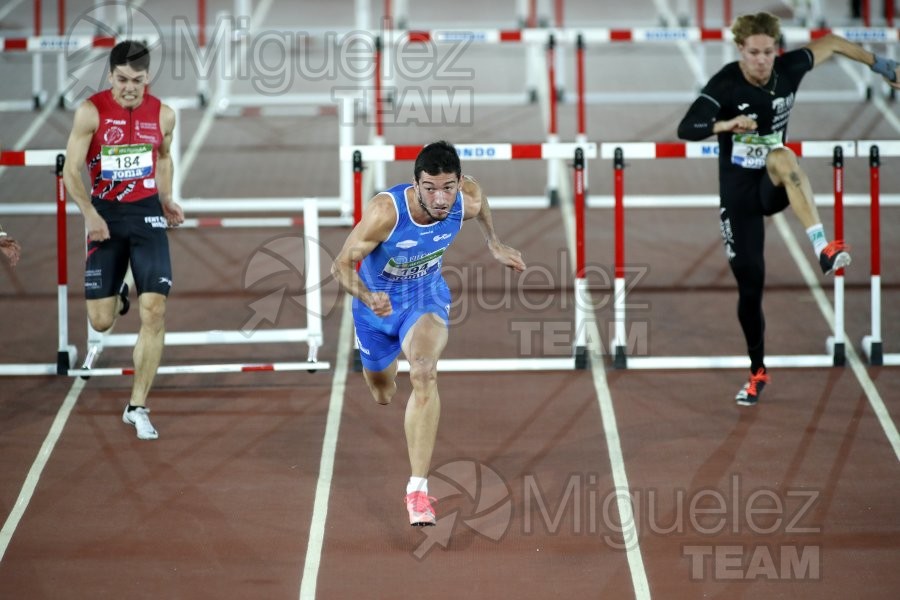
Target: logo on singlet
<point x="406" y="244"/>
<point x="113" y="135"/>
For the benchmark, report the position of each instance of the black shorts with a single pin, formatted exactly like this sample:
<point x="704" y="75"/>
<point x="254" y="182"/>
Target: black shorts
<point x="743" y="202"/>
<point x="751" y="194"/>
<point x="137" y="236"/>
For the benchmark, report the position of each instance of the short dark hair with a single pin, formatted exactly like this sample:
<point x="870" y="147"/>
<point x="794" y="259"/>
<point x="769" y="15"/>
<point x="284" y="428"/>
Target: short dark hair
<point x="134" y="54"/>
<point x="436" y="158"/>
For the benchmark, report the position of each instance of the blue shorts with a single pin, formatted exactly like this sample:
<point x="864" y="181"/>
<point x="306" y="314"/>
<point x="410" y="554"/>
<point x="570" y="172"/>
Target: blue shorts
<point x="380" y="338"/>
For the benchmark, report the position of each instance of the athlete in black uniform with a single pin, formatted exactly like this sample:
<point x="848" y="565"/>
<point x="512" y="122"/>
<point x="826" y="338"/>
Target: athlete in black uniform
<point x="747" y="104"/>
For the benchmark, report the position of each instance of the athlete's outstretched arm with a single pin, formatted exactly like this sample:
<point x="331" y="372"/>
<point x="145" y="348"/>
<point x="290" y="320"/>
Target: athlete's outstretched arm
<point x="376" y="224"/>
<point x="477" y="206"/>
<point x="827" y="46"/>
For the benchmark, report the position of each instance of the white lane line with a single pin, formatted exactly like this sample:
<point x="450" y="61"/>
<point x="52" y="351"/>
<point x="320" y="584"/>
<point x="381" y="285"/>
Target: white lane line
<point x="310" y="573"/>
<point x="608" y="418"/>
<point x="859" y="370"/>
<point x="37" y="467"/>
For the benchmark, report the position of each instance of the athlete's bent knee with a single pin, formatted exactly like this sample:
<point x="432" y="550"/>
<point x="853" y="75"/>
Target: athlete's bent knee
<point x="422" y="372"/>
<point x="153" y="314"/>
<point x="382" y="386"/>
<point x="101" y="314"/>
<point x="102" y="323"/>
<point x="781" y="161"/>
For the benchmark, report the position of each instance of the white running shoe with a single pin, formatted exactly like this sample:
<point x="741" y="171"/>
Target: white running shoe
<point x="141" y="421"/>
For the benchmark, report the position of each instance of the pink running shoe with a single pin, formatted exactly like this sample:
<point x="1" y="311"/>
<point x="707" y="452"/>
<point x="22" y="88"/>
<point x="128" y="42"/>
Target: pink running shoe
<point x="421" y="513"/>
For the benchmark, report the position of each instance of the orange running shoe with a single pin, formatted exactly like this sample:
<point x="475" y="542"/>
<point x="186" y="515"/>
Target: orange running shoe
<point x="834" y="256"/>
<point x="749" y="394"/>
<point x="421" y="513"/>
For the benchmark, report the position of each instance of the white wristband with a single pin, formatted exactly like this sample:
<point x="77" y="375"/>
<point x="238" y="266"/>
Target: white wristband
<point x="2" y="234"/>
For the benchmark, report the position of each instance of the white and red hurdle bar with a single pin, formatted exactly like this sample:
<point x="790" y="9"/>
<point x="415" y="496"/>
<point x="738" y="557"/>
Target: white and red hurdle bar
<point x="835" y="350"/>
<point x="493" y="36"/>
<point x="359" y="155"/>
<point x="872" y="344"/>
<point x="67" y="354"/>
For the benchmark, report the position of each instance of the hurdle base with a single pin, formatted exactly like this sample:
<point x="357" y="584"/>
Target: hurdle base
<point x="620" y="359"/>
<point x="840" y="357"/>
<point x="85" y="373"/>
<point x="494" y="365"/>
<point x="553" y="197"/>
<point x="837" y="350"/>
<point x="793" y="361"/>
<point x="65" y="360"/>
<point x="582" y="359"/>
<point x="873" y="350"/>
<point x="27" y="369"/>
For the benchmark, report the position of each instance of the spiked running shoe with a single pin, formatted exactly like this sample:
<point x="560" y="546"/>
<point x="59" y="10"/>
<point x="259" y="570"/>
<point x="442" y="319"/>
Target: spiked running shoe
<point x="141" y="421"/>
<point x="749" y="394"/>
<point x="421" y="513"/>
<point x="834" y="256"/>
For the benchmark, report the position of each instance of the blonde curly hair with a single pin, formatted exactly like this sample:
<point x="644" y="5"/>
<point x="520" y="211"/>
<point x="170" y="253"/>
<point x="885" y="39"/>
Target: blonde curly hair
<point x="762" y="23"/>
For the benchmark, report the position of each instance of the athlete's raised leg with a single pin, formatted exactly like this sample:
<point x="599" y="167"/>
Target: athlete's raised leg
<point x="382" y="384"/>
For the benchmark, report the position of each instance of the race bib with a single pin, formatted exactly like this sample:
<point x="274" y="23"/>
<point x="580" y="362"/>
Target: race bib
<point x="414" y="269"/>
<point x="123" y="163"/>
<point x="750" y="150"/>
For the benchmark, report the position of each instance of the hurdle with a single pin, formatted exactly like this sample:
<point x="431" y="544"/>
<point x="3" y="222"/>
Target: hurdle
<point x="866" y="12"/>
<point x="37" y="45"/>
<point x="214" y="205"/>
<point x="872" y="344"/>
<point x="531" y="38"/>
<point x="503" y="151"/>
<point x="311" y="334"/>
<point x="66" y="354"/>
<point x="835" y="348"/>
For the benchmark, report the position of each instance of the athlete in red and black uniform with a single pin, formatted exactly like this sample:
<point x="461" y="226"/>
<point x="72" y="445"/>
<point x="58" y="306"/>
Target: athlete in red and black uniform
<point x="123" y="136"/>
<point x="747" y="104"/>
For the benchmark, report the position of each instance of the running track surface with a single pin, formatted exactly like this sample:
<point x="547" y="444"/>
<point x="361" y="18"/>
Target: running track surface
<point x="794" y="498"/>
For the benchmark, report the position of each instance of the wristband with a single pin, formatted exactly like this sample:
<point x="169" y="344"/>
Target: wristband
<point x="886" y="67"/>
<point x="2" y="234"/>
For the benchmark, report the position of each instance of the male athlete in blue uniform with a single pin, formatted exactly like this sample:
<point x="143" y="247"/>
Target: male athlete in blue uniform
<point x="401" y="301"/>
<point x="747" y="104"/>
